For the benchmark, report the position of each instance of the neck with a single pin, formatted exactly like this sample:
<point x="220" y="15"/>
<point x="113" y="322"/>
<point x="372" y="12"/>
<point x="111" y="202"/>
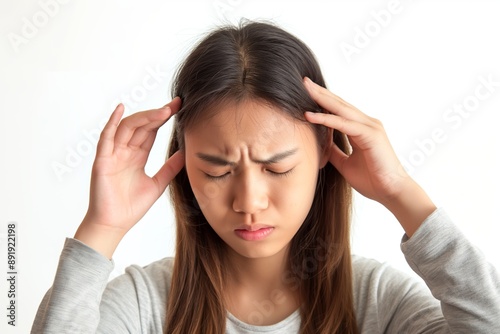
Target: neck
<point x="257" y="291"/>
<point x="259" y="275"/>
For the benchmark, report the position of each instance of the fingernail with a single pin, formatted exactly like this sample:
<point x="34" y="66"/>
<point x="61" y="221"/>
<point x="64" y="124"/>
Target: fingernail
<point x="310" y="84"/>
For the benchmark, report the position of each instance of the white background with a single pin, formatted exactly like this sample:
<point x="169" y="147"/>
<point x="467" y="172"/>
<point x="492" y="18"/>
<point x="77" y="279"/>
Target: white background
<point x="60" y="81"/>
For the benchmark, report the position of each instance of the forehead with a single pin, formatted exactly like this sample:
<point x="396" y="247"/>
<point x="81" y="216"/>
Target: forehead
<point x="250" y="123"/>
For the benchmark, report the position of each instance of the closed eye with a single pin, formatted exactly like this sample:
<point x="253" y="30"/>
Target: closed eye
<point x="271" y="172"/>
<point x="217" y="177"/>
<point x="280" y="174"/>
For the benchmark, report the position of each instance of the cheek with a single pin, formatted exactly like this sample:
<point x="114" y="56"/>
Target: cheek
<point x="203" y="191"/>
<point x="296" y="195"/>
<point x="210" y="196"/>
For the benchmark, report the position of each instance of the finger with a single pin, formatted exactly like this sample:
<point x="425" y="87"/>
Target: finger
<point x="337" y="158"/>
<point x="347" y="126"/>
<point x="175" y="105"/>
<point x="332" y="103"/>
<point x="145" y="148"/>
<point x="141" y="153"/>
<point x="169" y="170"/>
<point x="143" y="135"/>
<point x="105" y="145"/>
<point x="147" y="120"/>
<point x="148" y="142"/>
<point x="128" y="126"/>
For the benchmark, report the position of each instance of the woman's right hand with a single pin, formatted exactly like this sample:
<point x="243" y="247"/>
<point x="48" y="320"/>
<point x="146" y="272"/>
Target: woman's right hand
<point x="120" y="191"/>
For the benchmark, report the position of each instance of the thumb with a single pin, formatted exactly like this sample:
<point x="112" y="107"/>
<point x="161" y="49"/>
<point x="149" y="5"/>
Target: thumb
<point x="337" y="158"/>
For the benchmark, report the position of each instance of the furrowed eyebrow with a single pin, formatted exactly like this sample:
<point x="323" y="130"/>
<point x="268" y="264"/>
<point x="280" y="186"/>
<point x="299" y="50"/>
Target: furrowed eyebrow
<point x="222" y="162"/>
<point x="277" y="157"/>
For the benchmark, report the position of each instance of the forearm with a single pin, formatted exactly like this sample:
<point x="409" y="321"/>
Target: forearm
<point x="72" y="303"/>
<point x="458" y="275"/>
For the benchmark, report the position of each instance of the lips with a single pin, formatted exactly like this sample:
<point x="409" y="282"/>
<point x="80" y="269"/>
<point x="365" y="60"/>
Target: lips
<point x="254" y="232"/>
<point x="253" y="227"/>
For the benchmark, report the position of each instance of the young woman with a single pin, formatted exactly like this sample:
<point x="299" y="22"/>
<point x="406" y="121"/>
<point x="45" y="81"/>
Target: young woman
<point x="261" y="164"/>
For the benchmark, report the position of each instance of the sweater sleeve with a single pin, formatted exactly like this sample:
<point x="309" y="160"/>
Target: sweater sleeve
<point x="457" y="274"/>
<point x="81" y="300"/>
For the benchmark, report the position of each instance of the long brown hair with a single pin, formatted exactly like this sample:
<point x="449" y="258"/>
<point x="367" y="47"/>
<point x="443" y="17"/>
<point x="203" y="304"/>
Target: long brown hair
<point x="258" y="61"/>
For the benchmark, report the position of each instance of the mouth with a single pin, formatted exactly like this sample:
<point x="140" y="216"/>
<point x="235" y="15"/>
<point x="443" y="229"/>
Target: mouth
<point x="254" y="233"/>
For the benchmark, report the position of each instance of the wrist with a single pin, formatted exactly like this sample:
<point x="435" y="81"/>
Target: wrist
<point x="104" y="239"/>
<point x="411" y="206"/>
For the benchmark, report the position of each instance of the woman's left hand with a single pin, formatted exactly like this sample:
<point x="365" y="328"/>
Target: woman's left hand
<point x="372" y="168"/>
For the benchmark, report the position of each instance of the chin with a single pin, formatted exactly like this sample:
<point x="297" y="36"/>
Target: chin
<point x="257" y="251"/>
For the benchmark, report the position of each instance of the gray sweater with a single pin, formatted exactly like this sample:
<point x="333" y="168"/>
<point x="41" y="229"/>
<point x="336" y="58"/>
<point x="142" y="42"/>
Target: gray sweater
<point x="464" y="292"/>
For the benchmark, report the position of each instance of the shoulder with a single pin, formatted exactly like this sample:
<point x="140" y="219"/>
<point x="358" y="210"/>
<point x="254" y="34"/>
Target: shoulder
<point x="384" y="295"/>
<point x="156" y="273"/>
<point x="363" y="267"/>
<point x="141" y="293"/>
<point x="150" y="281"/>
<point x="159" y="269"/>
<point x="371" y="277"/>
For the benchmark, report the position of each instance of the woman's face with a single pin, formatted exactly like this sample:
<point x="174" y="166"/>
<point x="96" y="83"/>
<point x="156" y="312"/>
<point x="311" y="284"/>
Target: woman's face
<point x="253" y="171"/>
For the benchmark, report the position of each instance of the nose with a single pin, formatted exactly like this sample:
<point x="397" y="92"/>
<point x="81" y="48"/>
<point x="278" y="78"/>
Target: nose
<point x="250" y="194"/>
